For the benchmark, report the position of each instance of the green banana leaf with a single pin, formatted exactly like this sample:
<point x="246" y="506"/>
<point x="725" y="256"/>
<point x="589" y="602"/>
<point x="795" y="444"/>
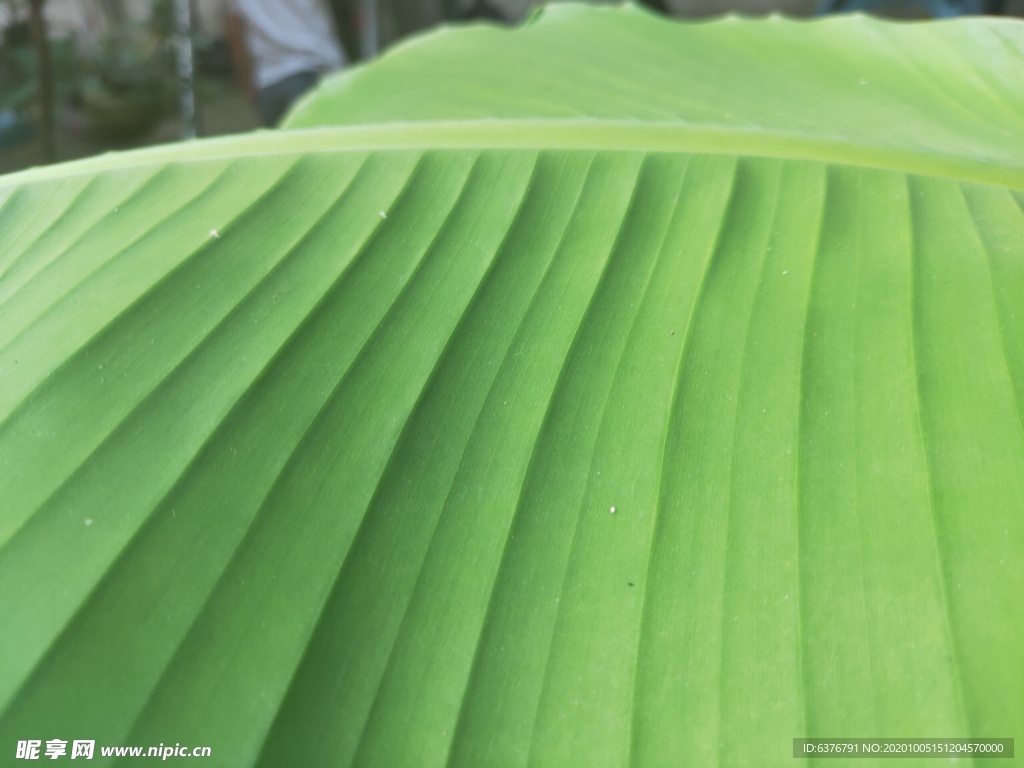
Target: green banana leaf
<point x="610" y="391"/>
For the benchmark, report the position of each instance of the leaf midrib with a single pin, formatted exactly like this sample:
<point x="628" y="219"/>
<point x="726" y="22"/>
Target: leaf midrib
<point x="587" y="134"/>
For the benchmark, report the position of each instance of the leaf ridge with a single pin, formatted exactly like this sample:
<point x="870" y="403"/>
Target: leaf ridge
<point x="672" y="426"/>
<point x="917" y="331"/>
<point x="14" y="399"/>
<point x="46" y="257"/>
<point x="996" y="319"/>
<point x="979" y="164"/>
<point x="79" y="366"/>
<point x="799" y="459"/>
<point x="13" y="256"/>
<point x="336" y="588"/>
<point x="135" y="419"/>
<point x="576" y="350"/>
<point x="279" y="367"/>
<point x="729" y="523"/>
<point x="443" y="364"/>
<point x="492" y="600"/>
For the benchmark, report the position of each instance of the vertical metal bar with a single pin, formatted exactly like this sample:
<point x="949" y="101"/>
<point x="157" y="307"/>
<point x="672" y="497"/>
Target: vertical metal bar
<point x="37" y="26"/>
<point x="186" y="85"/>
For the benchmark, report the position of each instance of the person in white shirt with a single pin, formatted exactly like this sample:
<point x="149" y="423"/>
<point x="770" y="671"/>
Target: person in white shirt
<point x="281" y="48"/>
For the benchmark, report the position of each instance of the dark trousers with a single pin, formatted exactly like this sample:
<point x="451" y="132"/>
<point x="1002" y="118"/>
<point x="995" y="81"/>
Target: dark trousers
<point x="274" y="100"/>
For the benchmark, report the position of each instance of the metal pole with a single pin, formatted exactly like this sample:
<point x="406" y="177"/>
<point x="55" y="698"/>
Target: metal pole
<point x="368" y="28"/>
<point x="183" y="46"/>
<point x="37" y="25"/>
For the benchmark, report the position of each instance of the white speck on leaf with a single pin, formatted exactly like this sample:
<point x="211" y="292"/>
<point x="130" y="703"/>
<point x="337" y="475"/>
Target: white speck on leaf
<point x="215" y="234"/>
<point x="88" y="522"/>
<point x="612" y="510"/>
<point x="383" y="215"/>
